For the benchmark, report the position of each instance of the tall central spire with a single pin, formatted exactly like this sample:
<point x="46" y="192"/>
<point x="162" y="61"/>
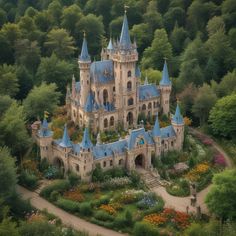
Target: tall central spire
<point x="125" y="41"/>
<point x="84" y="56"/>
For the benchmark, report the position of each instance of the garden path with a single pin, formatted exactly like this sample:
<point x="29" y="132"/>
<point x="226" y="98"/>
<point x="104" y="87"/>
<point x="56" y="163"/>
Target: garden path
<point x="66" y="218"/>
<point x="181" y="203"/>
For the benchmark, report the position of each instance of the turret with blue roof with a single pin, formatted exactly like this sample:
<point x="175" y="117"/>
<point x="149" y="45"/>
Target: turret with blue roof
<point x="65" y="142"/>
<point x="165" y="80"/>
<point x="110" y="45"/>
<point x="84" y="56"/>
<point x="86" y="143"/>
<point x="45" y="131"/>
<point x="156" y="131"/>
<point x="178" y="118"/>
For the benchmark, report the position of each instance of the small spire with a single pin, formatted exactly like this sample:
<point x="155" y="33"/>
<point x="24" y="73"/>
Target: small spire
<point x="84" y="56"/>
<point x="146" y="80"/>
<point x="99" y="141"/>
<point x="86" y="142"/>
<point x="165" y="80"/>
<point x="73" y="78"/>
<point x="156" y="129"/>
<point x="110" y="45"/>
<point x="65" y="142"/>
<point x="178" y="118"/>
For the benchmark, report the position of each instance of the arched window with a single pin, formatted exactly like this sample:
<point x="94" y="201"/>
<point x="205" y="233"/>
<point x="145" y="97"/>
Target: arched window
<point x="129" y="86"/>
<point x="105" y="96"/>
<point x="130" y="118"/>
<point x="121" y="162"/>
<point x="149" y="105"/>
<point x="130" y="101"/>
<point x="144" y="107"/>
<point x="112" y="121"/>
<point x="77" y="168"/>
<point x="129" y="73"/>
<point x="105" y="123"/>
<point x="104" y="164"/>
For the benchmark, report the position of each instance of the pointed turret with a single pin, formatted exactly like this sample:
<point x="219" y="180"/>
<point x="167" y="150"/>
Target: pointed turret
<point x="86" y="142"/>
<point x="65" y="142"/>
<point x="177" y="118"/>
<point x="84" y="56"/>
<point x="165" y="80"/>
<point x="73" y="86"/>
<point x="125" y="41"/>
<point x="156" y="132"/>
<point x="110" y="45"/>
<point x="44" y="130"/>
<point x="146" y="80"/>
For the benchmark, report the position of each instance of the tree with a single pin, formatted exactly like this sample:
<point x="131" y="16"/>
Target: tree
<point x="8" y="178"/>
<point x="13" y="133"/>
<point x="222" y="116"/>
<point x="203" y="102"/>
<point x="54" y="70"/>
<point x="12" y="32"/>
<point x="160" y="48"/>
<point x="60" y="42"/>
<point x="215" y="24"/>
<point x="5" y="103"/>
<point x="153" y="76"/>
<point x="221" y="198"/>
<point x="8" y="80"/>
<point x="40" y="99"/>
<point x="8" y="227"/>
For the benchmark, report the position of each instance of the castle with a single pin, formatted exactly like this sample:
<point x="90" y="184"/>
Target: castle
<point x="109" y="94"/>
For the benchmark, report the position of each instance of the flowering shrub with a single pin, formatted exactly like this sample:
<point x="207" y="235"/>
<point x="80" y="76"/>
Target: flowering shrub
<point x="74" y="195"/>
<point x="35" y="216"/>
<point x="155" y="219"/>
<point x="116" y="206"/>
<point x="219" y="159"/>
<point x="130" y="196"/>
<point x="180" y="219"/>
<point x="108" y="208"/>
<point x="195" y="173"/>
<point x="147" y="201"/>
<point x="116" y="182"/>
<point x="53" y="173"/>
<point x="207" y="141"/>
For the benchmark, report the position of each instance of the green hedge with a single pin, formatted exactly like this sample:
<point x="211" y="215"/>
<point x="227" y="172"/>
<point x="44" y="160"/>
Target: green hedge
<point x="59" y="186"/>
<point x="68" y="205"/>
<point x="28" y="180"/>
<point x="144" y="229"/>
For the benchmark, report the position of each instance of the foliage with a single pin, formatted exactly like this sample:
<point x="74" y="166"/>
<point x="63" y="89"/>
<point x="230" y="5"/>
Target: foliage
<point x="68" y="205"/>
<point x="74" y="195"/>
<point x="37" y="102"/>
<point x="221" y="116"/>
<point x="221" y="198"/>
<point x="58" y="185"/>
<point x="28" y="179"/>
<point x="85" y="209"/>
<point x="142" y="228"/>
<point x="53" y="172"/>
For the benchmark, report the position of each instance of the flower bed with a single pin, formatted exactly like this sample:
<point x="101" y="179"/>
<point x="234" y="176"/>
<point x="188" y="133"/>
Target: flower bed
<point x="108" y="208"/>
<point x="74" y="195"/>
<point x="195" y="174"/>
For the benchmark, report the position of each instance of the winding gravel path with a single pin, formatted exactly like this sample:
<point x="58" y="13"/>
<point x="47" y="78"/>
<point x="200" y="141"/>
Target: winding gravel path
<point x="66" y="218"/>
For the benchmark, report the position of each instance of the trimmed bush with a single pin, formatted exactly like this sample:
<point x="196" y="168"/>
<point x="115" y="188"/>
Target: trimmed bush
<point x="54" y="196"/>
<point x="103" y="216"/>
<point x="59" y="186"/>
<point x="86" y="209"/>
<point x="120" y="222"/>
<point x="101" y="201"/>
<point x="28" y="180"/>
<point x="144" y="229"/>
<point x="73" y="179"/>
<point x="68" y="205"/>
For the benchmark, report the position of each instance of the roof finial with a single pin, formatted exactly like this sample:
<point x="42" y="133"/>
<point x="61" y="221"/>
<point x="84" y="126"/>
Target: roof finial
<point x="126" y="7"/>
<point x="84" y="33"/>
<point x="165" y="59"/>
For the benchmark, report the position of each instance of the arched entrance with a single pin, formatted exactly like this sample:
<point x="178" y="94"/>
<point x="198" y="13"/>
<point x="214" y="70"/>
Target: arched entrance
<point x="59" y="164"/>
<point x="140" y="161"/>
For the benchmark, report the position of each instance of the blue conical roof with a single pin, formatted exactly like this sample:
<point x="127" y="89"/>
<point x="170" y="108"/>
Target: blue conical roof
<point x="178" y="118"/>
<point x="44" y="130"/>
<point x="124" y="36"/>
<point x="110" y="45"/>
<point x="165" y="80"/>
<point x="156" y="129"/>
<point x="84" y="56"/>
<point x="86" y="142"/>
<point x="45" y="124"/>
<point x="65" y="142"/>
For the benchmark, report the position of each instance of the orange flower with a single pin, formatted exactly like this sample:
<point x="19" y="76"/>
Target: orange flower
<point x="108" y="208"/>
<point x="74" y="195"/>
<point x="155" y="219"/>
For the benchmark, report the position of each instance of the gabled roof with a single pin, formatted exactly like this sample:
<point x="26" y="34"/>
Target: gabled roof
<point x="165" y="80"/>
<point x="167" y="132"/>
<point x="102" y="71"/>
<point x="90" y="104"/>
<point x="125" y="41"/>
<point x="156" y="132"/>
<point x="86" y="142"/>
<point x="65" y="142"/>
<point x="178" y="118"/>
<point x="84" y="56"/>
<point x="148" y="91"/>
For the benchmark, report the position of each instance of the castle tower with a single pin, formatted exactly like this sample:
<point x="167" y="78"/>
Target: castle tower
<point x="86" y="157"/>
<point x="84" y="66"/>
<point x="73" y="87"/>
<point x="177" y="122"/>
<point x="125" y="57"/>
<point x="156" y="134"/>
<point x="45" y="140"/>
<point x="106" y="54"/>
<point x="165" y="87"/>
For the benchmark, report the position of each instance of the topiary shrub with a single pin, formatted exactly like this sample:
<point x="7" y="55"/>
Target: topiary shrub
<point x="54" y="196"/>
<point x="68" y="205"/>
<point x="60" y="186"/>
<point x="28" y="180"/>
<point x="144" y="229"/>
<point x="86" y="209"/>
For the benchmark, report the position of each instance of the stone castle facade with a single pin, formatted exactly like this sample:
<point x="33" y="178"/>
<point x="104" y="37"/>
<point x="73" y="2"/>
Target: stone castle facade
<point x="110" y="93"/>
